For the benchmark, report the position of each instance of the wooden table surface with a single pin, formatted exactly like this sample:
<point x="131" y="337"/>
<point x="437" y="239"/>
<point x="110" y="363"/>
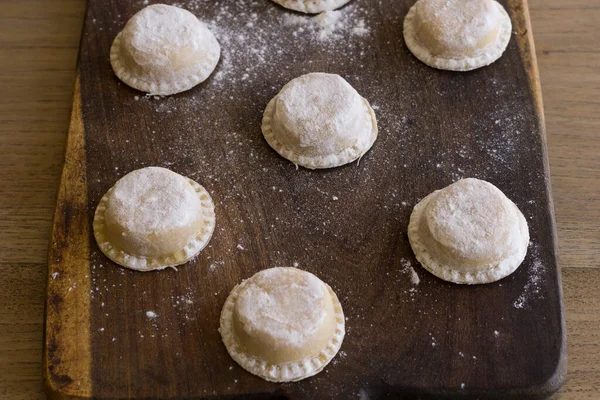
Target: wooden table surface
<point x="38" y="49"/>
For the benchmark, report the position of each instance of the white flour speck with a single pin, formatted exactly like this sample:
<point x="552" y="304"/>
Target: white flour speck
<point x="328" y="21"/>
<point x="414" y="277"/>
<point x="151" y="314"/>
<point x="408" y="269"/>
<point x="532" y="288"/>
<point x="360" y="29"/>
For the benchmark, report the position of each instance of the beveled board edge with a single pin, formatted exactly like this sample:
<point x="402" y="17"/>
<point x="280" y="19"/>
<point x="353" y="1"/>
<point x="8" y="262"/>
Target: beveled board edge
<point x="67" y="350"/>
<point x="527" y="49"/>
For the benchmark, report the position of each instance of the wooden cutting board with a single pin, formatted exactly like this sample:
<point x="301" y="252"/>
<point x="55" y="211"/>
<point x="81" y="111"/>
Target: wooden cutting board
<point x="407" y="337"/>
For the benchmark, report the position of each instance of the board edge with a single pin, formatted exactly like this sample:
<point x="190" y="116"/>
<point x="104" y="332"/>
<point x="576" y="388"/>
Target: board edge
<point x="527" y="49"/>
<point x="66" y="370"/>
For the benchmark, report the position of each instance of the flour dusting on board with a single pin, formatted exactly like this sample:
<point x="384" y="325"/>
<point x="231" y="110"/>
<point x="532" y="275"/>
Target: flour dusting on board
<point x="329" y="25"/>
<point x="348" y="225"/>
<point x="532" y="289"/>
<point x="408" y="269"/>
<point x="249" y="42"/>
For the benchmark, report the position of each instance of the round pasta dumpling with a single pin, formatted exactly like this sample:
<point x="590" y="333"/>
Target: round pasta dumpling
<point x="282" y="324"/>
<point x="311" y="6"/>
<point x="153" y="218"/>
<point x="319" y="121"/>
<point x="458" y="35"/>
<point x="164" y="50"/>
<point x="468" y="232"/>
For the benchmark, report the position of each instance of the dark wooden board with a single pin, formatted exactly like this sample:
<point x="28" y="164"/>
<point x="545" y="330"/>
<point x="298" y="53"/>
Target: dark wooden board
<point x="347" y="225"/>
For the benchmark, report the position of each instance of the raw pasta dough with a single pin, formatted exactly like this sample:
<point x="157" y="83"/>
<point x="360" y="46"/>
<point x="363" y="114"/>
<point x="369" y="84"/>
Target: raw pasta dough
<point x="154" y="218"/>
<point x="458" y="35"/>
<point x="282" y="324"/>
<point x="468" y="232"/>
<point x="319" y="121"/>
<point x="164" y="50"/>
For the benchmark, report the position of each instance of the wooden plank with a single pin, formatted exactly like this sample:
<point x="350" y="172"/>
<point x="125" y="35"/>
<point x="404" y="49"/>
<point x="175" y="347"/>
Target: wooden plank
<point x="358" y="244"/>
<point x="67" y="354"/>
<point x="21" y="311"/>
<point x="569" y="84"/>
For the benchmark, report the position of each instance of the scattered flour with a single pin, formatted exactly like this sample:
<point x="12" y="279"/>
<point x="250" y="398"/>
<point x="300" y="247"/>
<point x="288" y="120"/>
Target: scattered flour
<point x="532" y="289"/>
<point x="329" y="25"/>
<point x="407" y="268"/>
<point x="252" y="46"/>
<point x="433" y="341"/>
<point x="252" y="50"/>
<point x="360" y="29"/>
<point x="214" y="265"/>
<point x="414" y="277"/>
<point x="328" y="22"/>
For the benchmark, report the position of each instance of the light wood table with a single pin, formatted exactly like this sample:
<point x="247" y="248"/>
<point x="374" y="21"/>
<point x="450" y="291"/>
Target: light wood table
<point x="38" y="49"/>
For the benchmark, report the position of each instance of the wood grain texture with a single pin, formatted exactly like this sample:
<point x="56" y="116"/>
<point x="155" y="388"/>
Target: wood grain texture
<point x="569" y="56"/>
<point x="39" y="41"/>
<point x="67" y="355"/>
<point x="38" y="46"/>
<point x="38" y="49"/>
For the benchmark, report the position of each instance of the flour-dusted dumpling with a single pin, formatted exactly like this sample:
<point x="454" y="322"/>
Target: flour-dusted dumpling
<point x="282" y="324"/>
<point x="319" y="121"/>
<point x="468" y="232"/>
<point x="457" y="35"/>
<point x="154" y="218"/>
<point x="164" y="50"/>
<point x="311" y="6"/>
